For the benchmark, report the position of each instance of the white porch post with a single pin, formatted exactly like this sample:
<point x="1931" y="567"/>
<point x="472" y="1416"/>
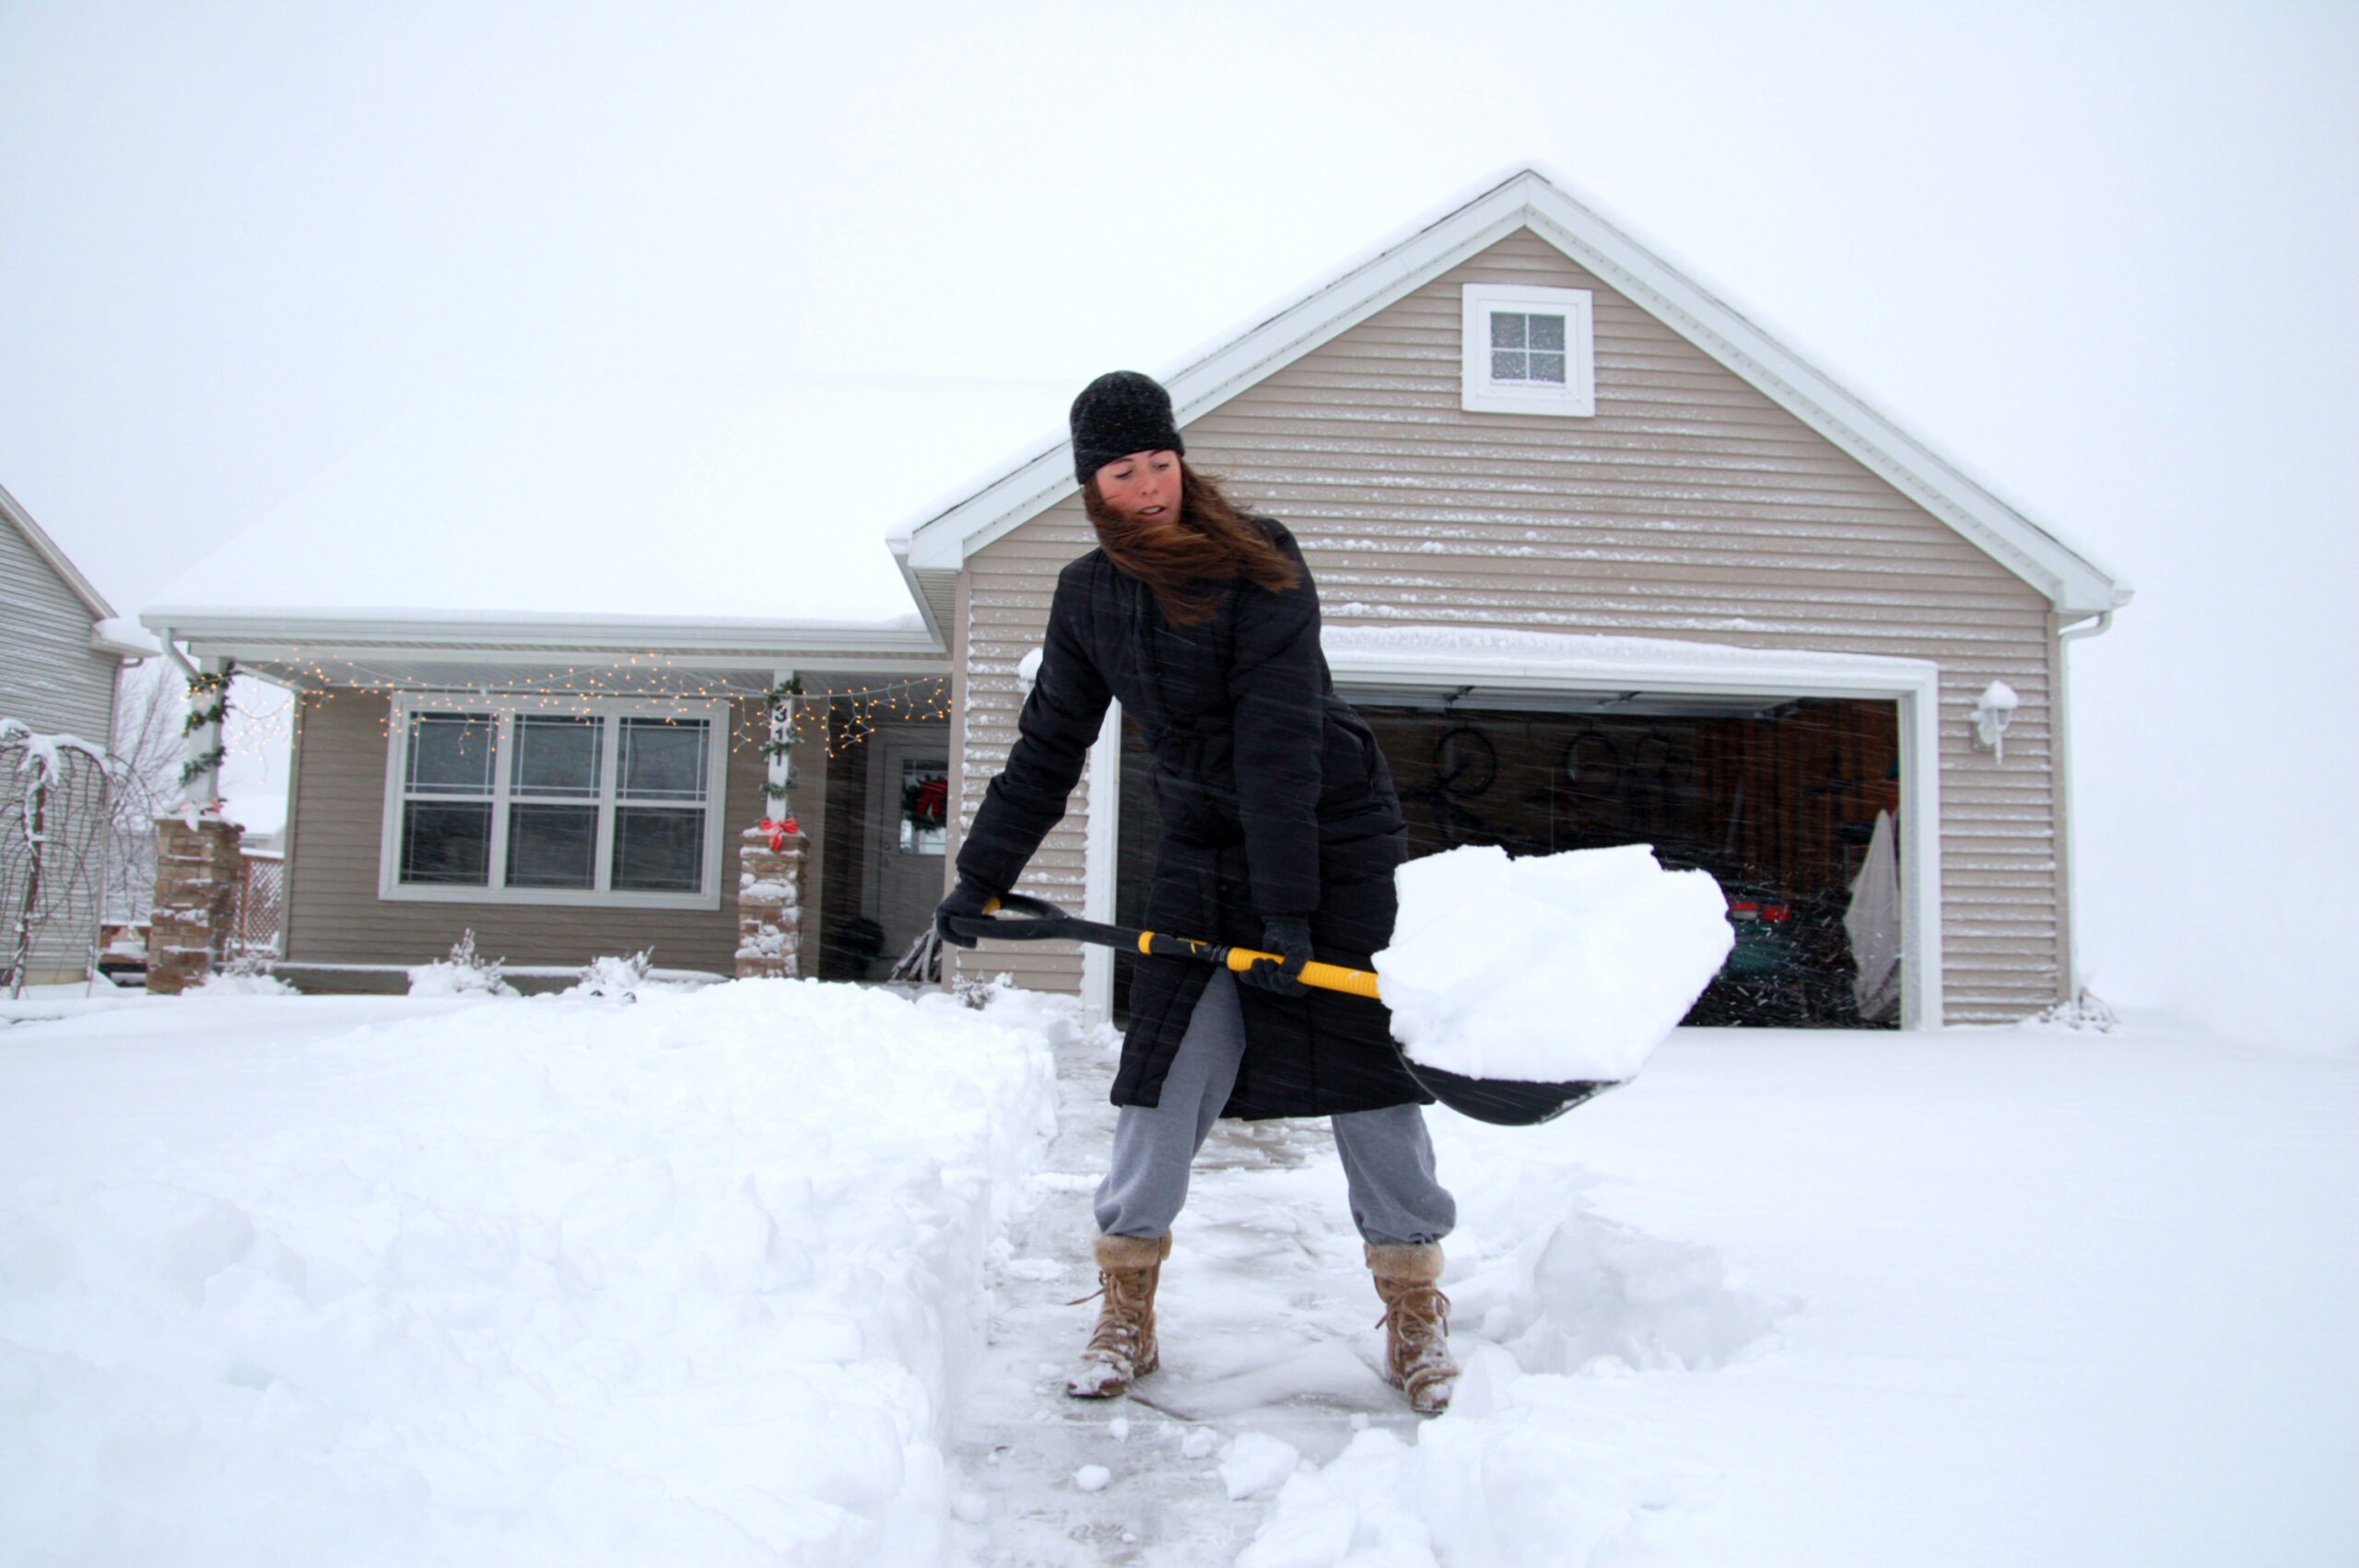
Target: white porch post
<point x="779" y="785"/>
<point x="1101" y="858"/>
<point x="208" y="699"/>
<point x="770" y="859"/>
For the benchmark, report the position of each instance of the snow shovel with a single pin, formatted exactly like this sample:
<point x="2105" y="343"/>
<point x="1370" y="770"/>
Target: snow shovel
<point x="1503" y="1102"/>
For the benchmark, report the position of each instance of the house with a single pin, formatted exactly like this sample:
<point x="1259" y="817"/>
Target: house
<point x="1599" y="559"/>
<point x="62" y="648"/>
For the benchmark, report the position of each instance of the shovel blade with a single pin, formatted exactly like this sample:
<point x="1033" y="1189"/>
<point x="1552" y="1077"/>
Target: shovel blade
<point x="1504" y="1102"/>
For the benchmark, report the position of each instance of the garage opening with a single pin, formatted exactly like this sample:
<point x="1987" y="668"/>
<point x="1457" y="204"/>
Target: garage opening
<point x="1776" y="798"/>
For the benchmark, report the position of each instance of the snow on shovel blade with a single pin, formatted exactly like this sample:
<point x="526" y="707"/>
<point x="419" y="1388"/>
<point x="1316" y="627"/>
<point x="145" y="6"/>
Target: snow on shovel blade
<point x="1536" y="976"/>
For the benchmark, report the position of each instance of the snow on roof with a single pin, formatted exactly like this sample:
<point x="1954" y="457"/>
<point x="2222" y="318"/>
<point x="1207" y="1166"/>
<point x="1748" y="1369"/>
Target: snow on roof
<point x="755" y="499"/>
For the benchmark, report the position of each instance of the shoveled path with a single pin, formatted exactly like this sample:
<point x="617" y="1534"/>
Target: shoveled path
<point x="1266" y="1318"/>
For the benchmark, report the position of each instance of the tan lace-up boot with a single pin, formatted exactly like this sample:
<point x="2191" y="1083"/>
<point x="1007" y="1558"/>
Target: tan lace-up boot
<point x="1123" y="1347"/>
<point x="1416" y="1324"/>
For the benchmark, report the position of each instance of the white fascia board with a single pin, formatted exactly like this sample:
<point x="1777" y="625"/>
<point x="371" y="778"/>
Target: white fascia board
<point x="46" y="548"/>
<point x="2072" y="580"/>
<point x="425" y="635"/>
<point x="900" y="544"/>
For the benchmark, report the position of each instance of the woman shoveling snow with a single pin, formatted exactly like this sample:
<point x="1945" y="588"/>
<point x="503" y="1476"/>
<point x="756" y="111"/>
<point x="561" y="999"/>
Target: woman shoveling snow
<point x="1282" y="831"/>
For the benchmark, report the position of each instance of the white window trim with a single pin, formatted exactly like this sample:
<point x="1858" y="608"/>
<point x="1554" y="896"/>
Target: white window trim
<point x="1480" y="394"/>
<point x="389" y="884"/>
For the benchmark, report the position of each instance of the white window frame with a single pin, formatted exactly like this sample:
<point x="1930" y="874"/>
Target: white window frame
<point x="506" y="711"/>
<point x="1479" y="394"/>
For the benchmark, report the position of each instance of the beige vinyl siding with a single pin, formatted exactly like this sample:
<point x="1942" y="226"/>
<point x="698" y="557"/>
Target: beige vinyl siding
<point x="1690" y="506"/>
<point x="1002" y="613"/>
<point x="54" y="681"/>
<point x="336" y="915"/>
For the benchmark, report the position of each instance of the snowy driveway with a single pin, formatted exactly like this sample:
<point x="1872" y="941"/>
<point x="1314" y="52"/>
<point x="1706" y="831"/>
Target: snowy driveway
<point x="776" y="1274"/>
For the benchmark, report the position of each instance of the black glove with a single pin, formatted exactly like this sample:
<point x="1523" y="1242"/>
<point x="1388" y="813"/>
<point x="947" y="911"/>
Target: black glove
<point x="1289" y="935"/>
<point x="968" y="898"/>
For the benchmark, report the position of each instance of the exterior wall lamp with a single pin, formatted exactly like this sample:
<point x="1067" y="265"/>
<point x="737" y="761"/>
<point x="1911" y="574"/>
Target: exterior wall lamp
<point x="1993" y="711"/>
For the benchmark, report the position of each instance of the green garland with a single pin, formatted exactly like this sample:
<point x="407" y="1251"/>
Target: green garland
<point x="214" y="684"/>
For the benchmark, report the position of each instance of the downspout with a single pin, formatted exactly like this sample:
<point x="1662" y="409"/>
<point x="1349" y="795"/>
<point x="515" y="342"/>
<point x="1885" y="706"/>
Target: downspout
<point x="173" y="652"/>
<point x="2097" y="627"/>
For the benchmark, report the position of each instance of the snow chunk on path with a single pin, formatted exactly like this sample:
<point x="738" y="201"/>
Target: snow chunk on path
<point x="554" y="1281"/>
<point x="1549" y="969"/>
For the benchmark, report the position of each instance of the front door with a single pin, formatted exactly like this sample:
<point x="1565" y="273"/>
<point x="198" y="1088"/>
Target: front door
<point x="909" y="797"/>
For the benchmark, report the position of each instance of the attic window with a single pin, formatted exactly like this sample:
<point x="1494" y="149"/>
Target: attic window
<point x="1527" y="350"/>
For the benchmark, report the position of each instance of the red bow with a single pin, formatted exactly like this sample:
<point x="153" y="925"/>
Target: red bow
<point x="776" y="831"/>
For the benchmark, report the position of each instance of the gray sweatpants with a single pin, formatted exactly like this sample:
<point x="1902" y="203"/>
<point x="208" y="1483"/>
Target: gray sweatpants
<point x="1387" y="1159"/>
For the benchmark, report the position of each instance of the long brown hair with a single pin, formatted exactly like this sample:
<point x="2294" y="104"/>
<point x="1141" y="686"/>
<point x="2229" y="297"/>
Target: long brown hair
<point x="1185" y="562"/>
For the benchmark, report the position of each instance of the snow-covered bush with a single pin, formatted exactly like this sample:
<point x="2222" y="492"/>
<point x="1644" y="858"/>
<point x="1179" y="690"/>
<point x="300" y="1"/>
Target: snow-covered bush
<point x="619" y="979"/>
<point x="465" y="973"/>
<point x="243" y="977"/>
<point x="2087" y="1010"/>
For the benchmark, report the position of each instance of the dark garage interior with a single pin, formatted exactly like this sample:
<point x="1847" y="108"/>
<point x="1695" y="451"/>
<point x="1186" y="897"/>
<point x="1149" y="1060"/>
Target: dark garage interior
<point x="1776" y="799"/>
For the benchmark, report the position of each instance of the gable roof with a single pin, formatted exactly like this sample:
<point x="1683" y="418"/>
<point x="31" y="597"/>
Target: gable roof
<point x="46" y="548"/>
<point x="2071" y="579"/>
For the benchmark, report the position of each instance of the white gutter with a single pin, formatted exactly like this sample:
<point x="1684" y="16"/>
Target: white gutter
<point x="537" y="633"/>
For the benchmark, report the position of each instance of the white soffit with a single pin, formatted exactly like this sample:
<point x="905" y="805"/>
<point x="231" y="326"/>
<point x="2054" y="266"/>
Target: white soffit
<point x="2068" y="576"/>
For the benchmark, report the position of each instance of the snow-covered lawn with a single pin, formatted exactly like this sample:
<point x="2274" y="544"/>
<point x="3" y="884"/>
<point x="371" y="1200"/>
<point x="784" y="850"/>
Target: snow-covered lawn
<point x="776" y="1273"/>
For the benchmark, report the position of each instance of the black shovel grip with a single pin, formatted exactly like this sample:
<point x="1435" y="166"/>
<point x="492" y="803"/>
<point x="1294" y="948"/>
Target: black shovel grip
<point x="1042" y="921"/>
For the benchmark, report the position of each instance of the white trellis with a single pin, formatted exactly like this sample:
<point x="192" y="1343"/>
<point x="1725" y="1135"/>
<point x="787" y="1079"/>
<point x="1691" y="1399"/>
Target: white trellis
<point x="53" y="843"/>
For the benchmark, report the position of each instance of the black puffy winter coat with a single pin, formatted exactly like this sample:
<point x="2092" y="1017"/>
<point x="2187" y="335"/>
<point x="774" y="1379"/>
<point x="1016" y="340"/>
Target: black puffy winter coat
<point x="1275" y="800"/>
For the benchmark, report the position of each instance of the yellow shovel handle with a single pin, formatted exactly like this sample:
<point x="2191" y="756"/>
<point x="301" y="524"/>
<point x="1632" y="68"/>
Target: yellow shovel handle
<point x="1326" y="977"/>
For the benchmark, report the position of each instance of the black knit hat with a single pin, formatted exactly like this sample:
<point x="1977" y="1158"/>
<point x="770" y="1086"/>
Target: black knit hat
<point x="1119" y="413"/>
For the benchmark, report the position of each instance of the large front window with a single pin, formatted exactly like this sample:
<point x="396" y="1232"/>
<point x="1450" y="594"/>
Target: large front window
<point x="602" y="802"/>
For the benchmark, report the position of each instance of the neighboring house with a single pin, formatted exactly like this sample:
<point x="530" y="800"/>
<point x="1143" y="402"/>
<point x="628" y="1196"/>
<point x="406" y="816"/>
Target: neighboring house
<point x="1601" y="560"/>
<point x="62" y="650"/>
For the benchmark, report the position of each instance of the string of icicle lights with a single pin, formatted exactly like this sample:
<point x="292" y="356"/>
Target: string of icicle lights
<point x="845" y="718"/>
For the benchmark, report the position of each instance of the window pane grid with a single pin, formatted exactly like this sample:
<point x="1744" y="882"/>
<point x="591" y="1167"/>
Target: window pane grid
<point x="557" y="756"/>
<point x="1527" y="346"/>
<point x="589" y="804"/>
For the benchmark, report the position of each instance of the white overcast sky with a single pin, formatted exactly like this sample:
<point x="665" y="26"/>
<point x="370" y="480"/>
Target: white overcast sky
<point x="2102" y="254"/>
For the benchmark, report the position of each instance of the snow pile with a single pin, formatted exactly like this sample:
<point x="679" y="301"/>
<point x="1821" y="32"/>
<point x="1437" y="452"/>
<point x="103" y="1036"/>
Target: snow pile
<point x="1531" y="1482"/>
<point x="1563" y="1290"/>
<point x="1549" y="969"/>
<point x="1552" y="1306"/>
<point x="544" y="1281"/>
<point x="1257" y="1462"/>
